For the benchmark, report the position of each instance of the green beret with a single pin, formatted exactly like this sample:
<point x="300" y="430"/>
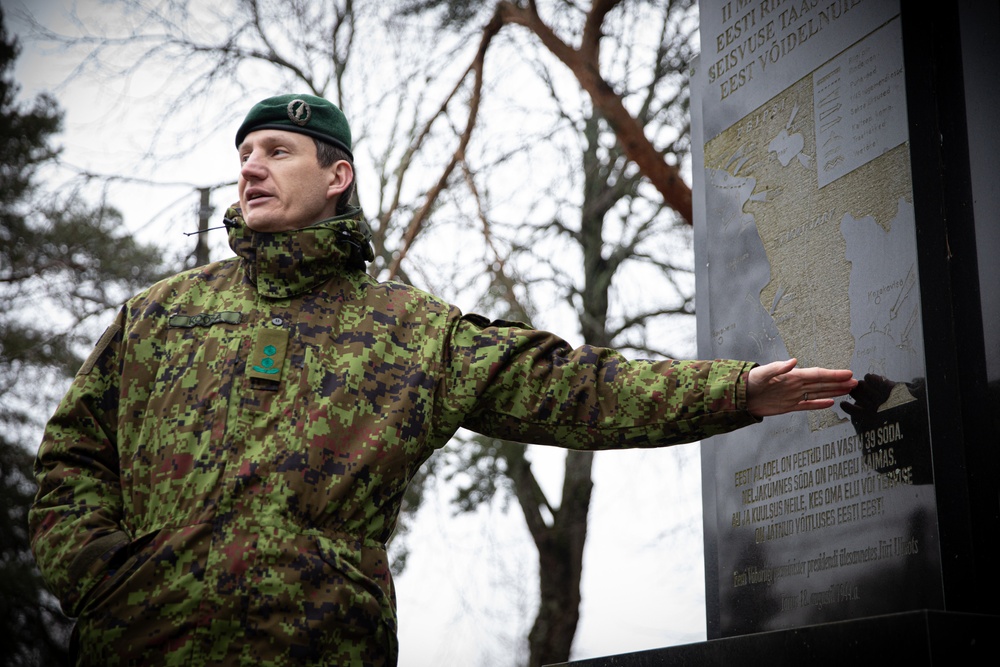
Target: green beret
<point x="305" y="114"/>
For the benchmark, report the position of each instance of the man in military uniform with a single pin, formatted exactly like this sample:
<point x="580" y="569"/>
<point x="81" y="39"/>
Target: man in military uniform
<point x="219" y="483"/>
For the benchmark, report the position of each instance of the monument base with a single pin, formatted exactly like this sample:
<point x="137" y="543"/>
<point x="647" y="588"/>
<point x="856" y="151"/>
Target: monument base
<point x="912" y="638"/>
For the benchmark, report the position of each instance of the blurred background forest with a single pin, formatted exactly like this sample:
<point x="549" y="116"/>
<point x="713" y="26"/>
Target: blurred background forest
<point x="524" y="160"/>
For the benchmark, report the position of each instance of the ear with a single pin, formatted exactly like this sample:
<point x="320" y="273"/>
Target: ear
<point x="340" y="177"/>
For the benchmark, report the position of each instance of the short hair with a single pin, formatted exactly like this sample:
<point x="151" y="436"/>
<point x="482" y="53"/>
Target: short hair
<point x="326" y="155"/>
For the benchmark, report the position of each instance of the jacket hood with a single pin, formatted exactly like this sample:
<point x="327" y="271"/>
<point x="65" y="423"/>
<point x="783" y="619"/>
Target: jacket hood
<point x="286" y="264"/>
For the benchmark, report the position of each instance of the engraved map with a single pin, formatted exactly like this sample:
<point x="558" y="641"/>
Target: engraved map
<point x="809" y="203"/>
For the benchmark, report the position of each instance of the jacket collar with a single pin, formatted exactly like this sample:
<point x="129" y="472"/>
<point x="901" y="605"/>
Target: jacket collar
<point x="287" y="264"/>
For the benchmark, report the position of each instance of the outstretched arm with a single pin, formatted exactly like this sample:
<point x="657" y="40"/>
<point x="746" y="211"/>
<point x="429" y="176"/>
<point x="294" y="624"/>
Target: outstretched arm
<point x="780" y="387"/>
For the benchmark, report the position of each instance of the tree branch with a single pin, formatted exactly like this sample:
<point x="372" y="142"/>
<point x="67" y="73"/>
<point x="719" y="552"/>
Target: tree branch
<point x="666" y="178"/>
<point x="527" y="491"/>
<point x="417" y="223"/>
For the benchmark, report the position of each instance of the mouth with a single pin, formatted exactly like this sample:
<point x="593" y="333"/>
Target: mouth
<point x="255" y="196"/>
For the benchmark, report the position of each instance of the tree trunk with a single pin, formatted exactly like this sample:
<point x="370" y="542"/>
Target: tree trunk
<point x="560" y="546"/>
<point x="560" y="566"/>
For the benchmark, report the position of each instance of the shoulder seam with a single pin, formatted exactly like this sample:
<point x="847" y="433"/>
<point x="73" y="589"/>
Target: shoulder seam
<point x="102" y="344"/>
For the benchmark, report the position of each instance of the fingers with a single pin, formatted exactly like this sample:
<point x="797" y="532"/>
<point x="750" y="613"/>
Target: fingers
<point x="811" y="404"/>
<point x="813" y="396"/>
<point x="777" y="368"/>
<point x="823" y="382"/>
<point x="827" y="389"/>
<point x="813" y="381"/>
<point x="824" y="375"/>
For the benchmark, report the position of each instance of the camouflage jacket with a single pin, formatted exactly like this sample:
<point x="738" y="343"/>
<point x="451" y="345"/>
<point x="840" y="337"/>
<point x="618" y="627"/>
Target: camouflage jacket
<point x="218" y="485"/>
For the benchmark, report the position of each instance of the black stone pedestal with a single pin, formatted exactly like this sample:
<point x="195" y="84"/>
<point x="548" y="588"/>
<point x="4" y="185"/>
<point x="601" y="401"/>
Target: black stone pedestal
<point x="914" y="639"/>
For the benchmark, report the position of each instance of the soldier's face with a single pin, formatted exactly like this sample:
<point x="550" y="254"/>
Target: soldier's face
<point x="281" y="185"/>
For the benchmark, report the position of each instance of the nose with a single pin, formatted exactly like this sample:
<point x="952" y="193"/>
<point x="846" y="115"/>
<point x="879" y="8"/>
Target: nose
<point x="253" y="168"/>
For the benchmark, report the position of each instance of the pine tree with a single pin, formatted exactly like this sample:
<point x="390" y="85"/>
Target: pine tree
<point x="63" y="266"/>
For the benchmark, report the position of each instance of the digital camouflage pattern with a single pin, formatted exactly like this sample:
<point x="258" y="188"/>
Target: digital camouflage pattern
<point x="219" y="483"/>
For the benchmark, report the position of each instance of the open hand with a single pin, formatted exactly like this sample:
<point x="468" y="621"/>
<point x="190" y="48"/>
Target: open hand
<point x="780" y="387"/>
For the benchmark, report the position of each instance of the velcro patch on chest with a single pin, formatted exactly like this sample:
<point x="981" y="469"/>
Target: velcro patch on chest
<point x="268" y="355"/>
<point x="204" y="319"/>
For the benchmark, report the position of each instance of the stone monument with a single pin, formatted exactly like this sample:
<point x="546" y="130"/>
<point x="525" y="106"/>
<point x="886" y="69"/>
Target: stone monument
<point x="845" y="155"/>
<point x="822" y="186"/>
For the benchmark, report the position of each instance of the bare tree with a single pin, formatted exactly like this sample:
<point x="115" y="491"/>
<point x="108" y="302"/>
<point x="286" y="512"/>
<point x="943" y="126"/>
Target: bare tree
<point x="558" y="526"/>
<point x="586" y="28"/>
<point x="609" y="176"/>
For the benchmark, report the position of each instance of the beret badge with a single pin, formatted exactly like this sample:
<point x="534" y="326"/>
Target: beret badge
<point x="299" y="112"/>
